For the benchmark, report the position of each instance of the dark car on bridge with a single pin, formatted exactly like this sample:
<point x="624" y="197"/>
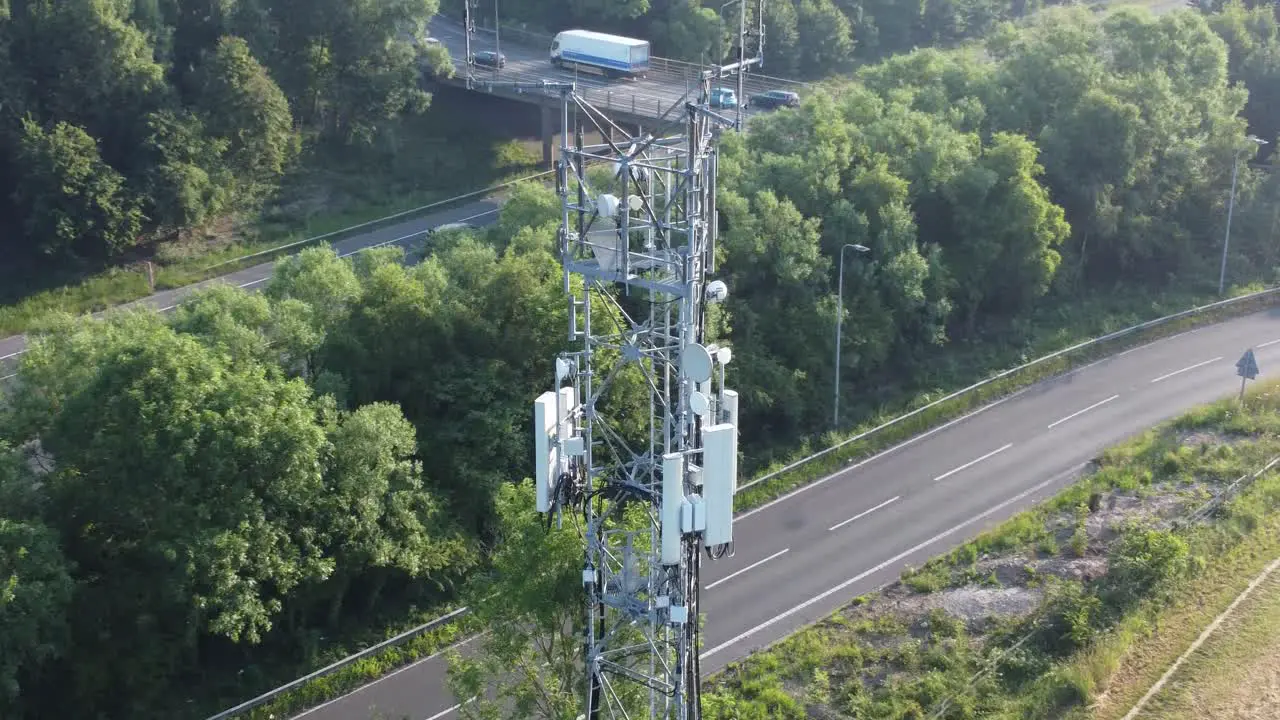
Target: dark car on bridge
<point x="490" y="58"/>
<point x="774" y="99"/>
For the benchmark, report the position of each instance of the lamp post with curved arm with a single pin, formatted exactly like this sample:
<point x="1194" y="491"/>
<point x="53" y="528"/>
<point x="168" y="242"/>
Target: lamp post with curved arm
<point x="1231" y="206"/>
<point x="835" y="412"/>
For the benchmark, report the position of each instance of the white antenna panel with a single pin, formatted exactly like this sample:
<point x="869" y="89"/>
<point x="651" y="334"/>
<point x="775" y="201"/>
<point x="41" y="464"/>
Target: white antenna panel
<point x="730" y="409"/>
<point x="672" y="498"/>
<point x="720" y="481"/>
<point x="544" y="423"/>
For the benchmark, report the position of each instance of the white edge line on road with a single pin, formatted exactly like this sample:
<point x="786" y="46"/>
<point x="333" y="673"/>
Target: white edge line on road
<point x="16" y="354"/>
<point x="442" y="713"/>
<point x="877" y="456"/>
<point x="752" y="566"/>
<point x="1203" y="636"/>
<point x="863" y="514"/>
<point x="392" y="674"/>
<point x="1078" y="413"/>
<point x="1144" y="346"/>
<point x="906" y="553"/>
<point x="1265" y="344"/>
<point x="6" y="377"/>
<point x="1185" y="369"/>
<point x="971" y="463"/>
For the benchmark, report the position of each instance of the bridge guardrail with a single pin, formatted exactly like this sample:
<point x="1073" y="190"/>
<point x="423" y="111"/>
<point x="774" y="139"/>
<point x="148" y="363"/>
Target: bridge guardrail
<point x="336" y="666"/>
<point x="681" y="68"/>
<point x="1087" y="344"/>
<point x="636" y="104"/>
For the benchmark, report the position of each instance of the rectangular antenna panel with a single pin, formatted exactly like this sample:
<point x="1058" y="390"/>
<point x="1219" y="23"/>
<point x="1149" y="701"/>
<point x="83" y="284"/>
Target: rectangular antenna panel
<point x="568" y="403"/>
<point x="672" y="497"/>
<point x="719" y="481"/>
<point x="730" y="407"/>
<point x="544" y="423"/>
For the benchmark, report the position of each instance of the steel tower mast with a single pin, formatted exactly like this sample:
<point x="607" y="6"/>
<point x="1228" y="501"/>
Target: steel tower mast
<point x="637" y="242"/>
<point x="637" y="247"/>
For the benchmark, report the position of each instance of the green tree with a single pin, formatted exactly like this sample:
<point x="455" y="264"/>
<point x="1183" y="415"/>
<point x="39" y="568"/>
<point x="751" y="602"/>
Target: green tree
<point x="35" y="590"/>
<point x="244" y="106"/>
<point x="347" y="66"/>
<point x="35" y="587"/>
<point x="1007" y="231"/>
<point x="69" y="199"/>
<point x="532" y="653"/>
<point x="379" y="514"/>
<point x="94" y="69"/>
<point x="468" y="334"/>
<point x="781" y="311"/>
<point x="187" y="180"/>
<point x="223" y="527"/>
<point x="825" y="38"/>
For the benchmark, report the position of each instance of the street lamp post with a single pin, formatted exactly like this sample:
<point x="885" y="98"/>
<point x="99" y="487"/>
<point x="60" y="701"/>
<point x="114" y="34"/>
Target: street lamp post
<point x="835" y="413"/>
<point x="1231" y="206"/>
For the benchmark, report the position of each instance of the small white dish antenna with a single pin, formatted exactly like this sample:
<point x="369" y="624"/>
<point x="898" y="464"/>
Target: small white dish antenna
<point x="700" y="404"/>
<point x="724" y="355"/>
<point x="695" y="363"/>
<point x="607" y="205"/>
<point x="635" y="202"/>
<point x="717" y="291"/>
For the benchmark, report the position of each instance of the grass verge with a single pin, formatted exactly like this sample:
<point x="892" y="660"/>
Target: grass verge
<point x="1062" y="611"/>
<point x="1232" y="675"/>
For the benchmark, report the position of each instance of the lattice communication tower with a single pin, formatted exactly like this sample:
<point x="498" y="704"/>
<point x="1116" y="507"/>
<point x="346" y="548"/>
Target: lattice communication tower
<point x="637" y="243"/>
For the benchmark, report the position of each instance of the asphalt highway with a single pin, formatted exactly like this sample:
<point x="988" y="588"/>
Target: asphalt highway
<point x="802" y="556"/>
<point x="480" y="213"/>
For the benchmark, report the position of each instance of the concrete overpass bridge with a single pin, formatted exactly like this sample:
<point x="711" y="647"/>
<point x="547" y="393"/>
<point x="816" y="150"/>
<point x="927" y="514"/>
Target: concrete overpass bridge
<point x="648" y="101"/>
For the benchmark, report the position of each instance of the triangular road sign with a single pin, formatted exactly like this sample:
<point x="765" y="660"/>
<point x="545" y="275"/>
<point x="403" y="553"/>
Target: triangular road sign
<point x="1247" y="366"/>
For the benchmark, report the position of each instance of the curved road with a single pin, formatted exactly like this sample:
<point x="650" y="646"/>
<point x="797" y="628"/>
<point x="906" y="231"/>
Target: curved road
<point x="480" y="212"/>
<point x="801" y="557"/>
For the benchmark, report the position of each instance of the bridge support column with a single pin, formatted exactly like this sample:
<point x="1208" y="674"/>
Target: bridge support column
<point x="548" y="134"/>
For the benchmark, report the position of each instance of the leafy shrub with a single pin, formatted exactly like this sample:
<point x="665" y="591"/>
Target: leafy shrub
<point x="1144" y="562"/>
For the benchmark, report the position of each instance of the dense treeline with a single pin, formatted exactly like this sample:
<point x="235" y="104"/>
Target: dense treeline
<point x="805" y="38"/>
<point x="183" y="497"/>
<point x="124" y="118"/>
<point x="1086" y="155"/>
<point x="234" y="472"/>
